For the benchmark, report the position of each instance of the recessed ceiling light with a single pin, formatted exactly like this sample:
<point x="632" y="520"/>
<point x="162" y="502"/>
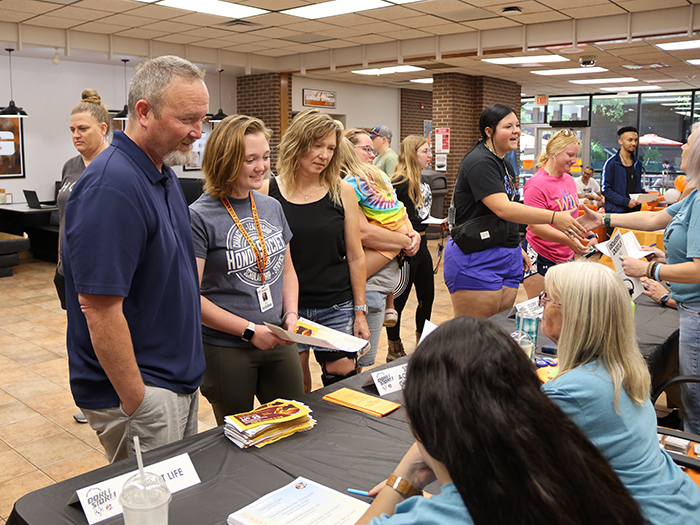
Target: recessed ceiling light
<point x="694" y="62"/>
<point x="631" y="88"/>
<point x="570" y="71"/>
<point x="674" y="46"/>
<point x="535" y="59"/>
<point x="423" y="80"/>
<point x="604" y="80"/>
<point x="215" y="7"/>
<point x="388" y="70"/>
<point x="335" y="8"/>
<point x="645" y="66"/>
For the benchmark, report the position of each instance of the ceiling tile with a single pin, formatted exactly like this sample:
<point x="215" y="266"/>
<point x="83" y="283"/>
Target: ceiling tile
<point x="350" y="20"/>
<point x="422" y="21"/>
<point x="271" y="52"/>
<point x="649" y="5"/>
<point x="368" y="39"/>
<point x="52" y="21"/>
<point x="593" y="11"/>
<point x="200" y="19"/>
<point x="274" y="19"/>
<point x="339" y="32"/>
<point x="276" y="32"/>
<point x="127" y="20"/>
<point x="307" y="26"/>
<point x="77" y="13"/>
<point x="99" y="27"/>
<point x="241" y="38"/>
<point x="175" y="38"/>
<point x="28" y="6"/>
<point x="447" y="29"/>
<point x="547" y="16"/>
<point x="111" y="6"/>
<point x="335" y="44"/>
<point x="158" y="12"/>
<point x="492" y="23"/>
<point x="439" y="6"/>
<point x="405" y="34"/>
<point x="166" y="25"/>
<point x="16" y="16"/>
<point x="140" y="32"/>
<point x="277" y="5"/>
<point x="207" y="32"/>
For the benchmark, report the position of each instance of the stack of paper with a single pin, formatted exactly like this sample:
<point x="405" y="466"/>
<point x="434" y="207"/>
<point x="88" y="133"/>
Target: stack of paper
<point x="268" y="423"/>
<point x="362" y="402"/>
<point x="301" y="502"/>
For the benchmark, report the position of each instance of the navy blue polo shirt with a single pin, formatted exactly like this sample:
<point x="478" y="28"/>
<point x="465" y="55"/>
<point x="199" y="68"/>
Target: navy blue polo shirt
<point x="128" y="234"/>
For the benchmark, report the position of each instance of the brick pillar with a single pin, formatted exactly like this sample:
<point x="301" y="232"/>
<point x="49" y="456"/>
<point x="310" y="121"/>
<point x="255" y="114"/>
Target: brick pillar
<point x="458" y="101"/>
<point x="416" y="106"/>
<point x="269" y="98"/>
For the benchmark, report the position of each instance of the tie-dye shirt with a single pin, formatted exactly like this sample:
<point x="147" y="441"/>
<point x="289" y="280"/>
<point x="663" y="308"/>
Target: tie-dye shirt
<point x="379" y="206"/>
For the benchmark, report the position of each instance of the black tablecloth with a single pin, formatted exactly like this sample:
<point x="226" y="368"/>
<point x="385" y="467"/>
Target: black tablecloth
<point x="346" y="449"/>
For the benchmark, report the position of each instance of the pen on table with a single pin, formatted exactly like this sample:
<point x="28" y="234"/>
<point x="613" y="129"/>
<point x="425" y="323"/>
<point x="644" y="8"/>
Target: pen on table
<point x="359" y="492"/>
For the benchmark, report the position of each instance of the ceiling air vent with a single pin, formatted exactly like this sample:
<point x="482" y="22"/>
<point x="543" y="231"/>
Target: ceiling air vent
<point x="238" y="22"/>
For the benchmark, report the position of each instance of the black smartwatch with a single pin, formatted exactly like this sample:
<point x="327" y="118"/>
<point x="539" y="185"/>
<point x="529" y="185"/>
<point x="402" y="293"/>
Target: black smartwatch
<point x="249" y="332"/>
<point x="664" y="299"/>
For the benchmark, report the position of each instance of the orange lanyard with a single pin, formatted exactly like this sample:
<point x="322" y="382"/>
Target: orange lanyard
<point x="262" y="261"/>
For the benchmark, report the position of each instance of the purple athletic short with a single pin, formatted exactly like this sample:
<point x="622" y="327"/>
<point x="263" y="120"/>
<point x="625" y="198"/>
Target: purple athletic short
<point x="490" y="269"/>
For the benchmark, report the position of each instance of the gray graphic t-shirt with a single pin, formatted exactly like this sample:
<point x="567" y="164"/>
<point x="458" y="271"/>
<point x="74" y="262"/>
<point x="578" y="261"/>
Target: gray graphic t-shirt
<point x="231" y="274"/>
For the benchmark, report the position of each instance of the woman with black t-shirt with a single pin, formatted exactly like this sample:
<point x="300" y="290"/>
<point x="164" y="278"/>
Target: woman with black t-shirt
<point x="326" y="249"/>
<point x="484" y="280"/>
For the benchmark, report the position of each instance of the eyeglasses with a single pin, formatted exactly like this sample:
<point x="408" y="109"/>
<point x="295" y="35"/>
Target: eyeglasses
<point x="424" y="151"/>
<point x="544" y="299"/>
<point x="367" y="150"/>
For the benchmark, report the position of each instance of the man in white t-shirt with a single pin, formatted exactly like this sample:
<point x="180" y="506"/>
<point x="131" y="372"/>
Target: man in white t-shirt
<point x="588" y="189"/>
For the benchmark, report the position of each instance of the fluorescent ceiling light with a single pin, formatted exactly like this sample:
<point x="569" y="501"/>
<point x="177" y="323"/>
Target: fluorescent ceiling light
<point x="215" y="7"/>
<point x="604" y="80"/>
<point x="536" y="59"/>
<point x="399" y="2"/>
<point x="335" y="8"/>
<point x="388" y="70"/>
<point x="423" y="80"/>
<point x="675" y="46"/>
<point x="694" y="62"/>
<point x="571" y="71"/>
<point x="631" y="88"/>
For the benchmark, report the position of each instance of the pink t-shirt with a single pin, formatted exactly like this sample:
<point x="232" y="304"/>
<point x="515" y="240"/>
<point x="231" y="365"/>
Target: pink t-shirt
<point x="556" y="194"/>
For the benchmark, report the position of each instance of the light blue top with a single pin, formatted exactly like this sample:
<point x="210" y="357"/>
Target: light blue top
<point x="665" y="494"/>
<point x="681" y="247"/>
<point x="444" y="508"/>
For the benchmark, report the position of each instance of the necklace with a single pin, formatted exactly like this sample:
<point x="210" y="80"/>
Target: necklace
<point x="306" y="197"/>
<point x="492" y="150"/>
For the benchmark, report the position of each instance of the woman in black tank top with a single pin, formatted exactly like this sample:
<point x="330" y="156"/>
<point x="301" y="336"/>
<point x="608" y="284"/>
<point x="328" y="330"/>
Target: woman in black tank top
<point x="326" y="249"/>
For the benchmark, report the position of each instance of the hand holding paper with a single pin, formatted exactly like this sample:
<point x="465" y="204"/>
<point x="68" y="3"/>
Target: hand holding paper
<point x="634" y="267"/>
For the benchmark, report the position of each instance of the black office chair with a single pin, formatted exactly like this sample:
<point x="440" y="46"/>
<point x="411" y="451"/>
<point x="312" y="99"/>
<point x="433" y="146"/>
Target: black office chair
<point x="679" y="459"/>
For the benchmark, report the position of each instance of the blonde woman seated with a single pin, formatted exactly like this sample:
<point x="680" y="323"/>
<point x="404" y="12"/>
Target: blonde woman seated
<point x="603" y="386"/>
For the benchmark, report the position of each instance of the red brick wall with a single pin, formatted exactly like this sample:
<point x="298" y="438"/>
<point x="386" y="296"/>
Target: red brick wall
<point x="412" y="116"/>
<point x="259" y="96"/>
<point x="458" y="101"/>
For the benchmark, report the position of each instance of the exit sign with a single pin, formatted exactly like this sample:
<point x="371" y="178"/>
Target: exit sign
<point x="541" y="100"/>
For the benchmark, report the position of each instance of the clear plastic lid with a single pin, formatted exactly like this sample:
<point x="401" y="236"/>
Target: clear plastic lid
<point x="144" y="492"/>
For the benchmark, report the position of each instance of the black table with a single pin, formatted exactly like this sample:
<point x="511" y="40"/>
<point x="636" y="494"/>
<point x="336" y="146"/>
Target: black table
<point x="657" y="336"/>
<point x="18" y="219"/>
<point x="346" y="449"/>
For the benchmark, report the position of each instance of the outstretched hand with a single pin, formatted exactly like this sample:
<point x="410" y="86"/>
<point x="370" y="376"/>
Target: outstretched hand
<point x="590" y="219"/>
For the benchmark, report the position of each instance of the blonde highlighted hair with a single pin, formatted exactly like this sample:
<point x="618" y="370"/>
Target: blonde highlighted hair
<point x="598" y="323"/>
<point x="352" y="166"/>
<point x="561" y="140"/>
<point x="225" y="154"/>
<point x="309" y="127"/>
<point x="407" y="167"/>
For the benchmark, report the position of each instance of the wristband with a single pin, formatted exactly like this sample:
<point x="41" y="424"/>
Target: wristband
<point x="402" y="486"/>
<point x="606" y="220"/>
<point x="553" y="214"/>
<point x="656" y="271"/>
<point x="650" y="270"/>
<point x="284" y="317"/>
<point x="593" y="236"/>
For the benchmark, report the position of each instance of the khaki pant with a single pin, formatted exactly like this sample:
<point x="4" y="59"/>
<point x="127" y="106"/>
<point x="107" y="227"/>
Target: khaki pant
<point x="162" y="417"/>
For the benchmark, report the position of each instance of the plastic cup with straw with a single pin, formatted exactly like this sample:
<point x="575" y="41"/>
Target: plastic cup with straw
<point x="145" y="496"/>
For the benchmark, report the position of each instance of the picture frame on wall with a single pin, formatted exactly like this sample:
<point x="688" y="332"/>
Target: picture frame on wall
<point x="195" y="163"/>
<point x="12" y="164"/>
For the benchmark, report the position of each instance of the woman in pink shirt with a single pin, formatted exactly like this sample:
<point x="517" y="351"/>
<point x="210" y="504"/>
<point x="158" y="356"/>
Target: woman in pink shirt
<point x="551" y="188"/>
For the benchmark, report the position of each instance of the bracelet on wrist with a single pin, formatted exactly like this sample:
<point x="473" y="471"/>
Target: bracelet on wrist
<point x="606" y="220"/>
<point x="553" y="214"/>
<point x="650" y="270"/>
<point x="656" y="271"/>
<point x="403" y="486"/>
<point x="284" y="317"/>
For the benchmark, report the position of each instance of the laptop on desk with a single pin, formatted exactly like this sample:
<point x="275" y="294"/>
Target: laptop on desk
<point x="33" y="201"/>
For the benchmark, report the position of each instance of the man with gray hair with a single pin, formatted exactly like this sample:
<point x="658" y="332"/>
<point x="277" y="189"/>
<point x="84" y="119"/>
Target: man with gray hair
<point x="386" y="158"/>
<point x="134" y="334"/>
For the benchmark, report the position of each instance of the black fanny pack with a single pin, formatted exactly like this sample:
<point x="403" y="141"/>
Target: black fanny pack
<point x="480" y="233"/>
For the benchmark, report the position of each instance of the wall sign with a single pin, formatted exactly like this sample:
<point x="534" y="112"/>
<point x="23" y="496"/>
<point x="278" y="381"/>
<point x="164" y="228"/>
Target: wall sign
<point x="319" y="99"/>
<point x="442" y="140"/>
<point x="11" y="148"/>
